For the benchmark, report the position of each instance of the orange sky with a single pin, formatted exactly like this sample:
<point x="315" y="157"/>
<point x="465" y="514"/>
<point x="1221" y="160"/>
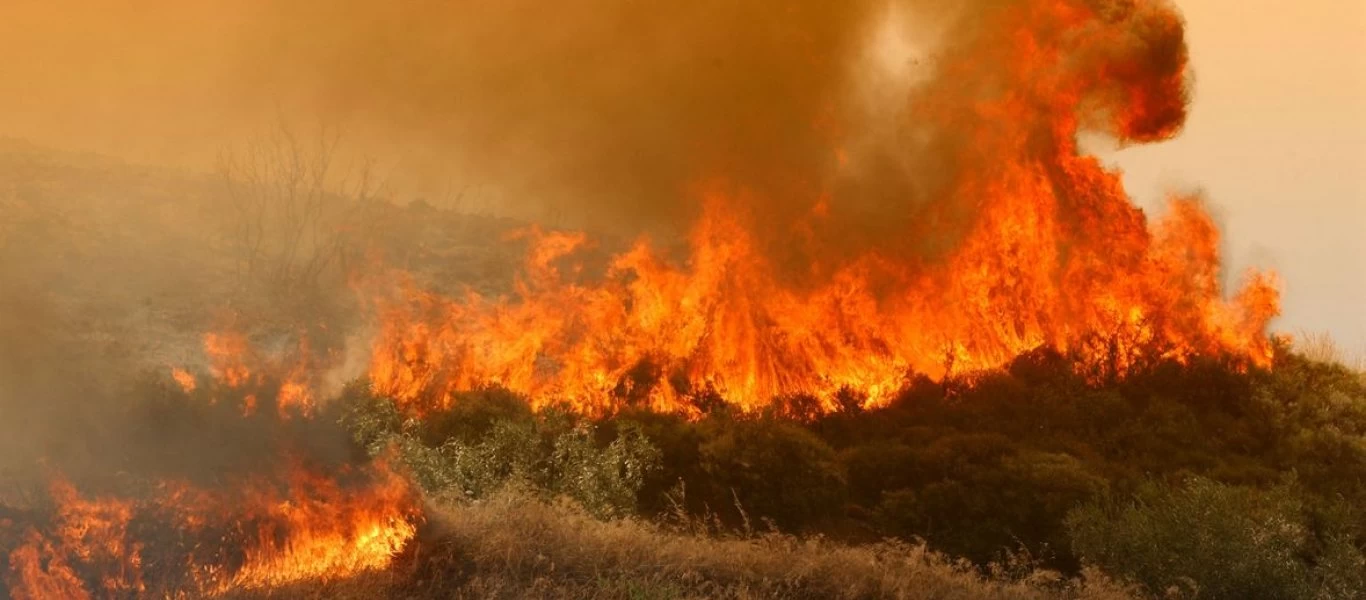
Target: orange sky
<point x="1277" y="137"/>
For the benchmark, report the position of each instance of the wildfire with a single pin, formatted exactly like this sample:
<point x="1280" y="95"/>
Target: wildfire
<point x="1055" y="255"/>
<point x="236" y="364"/>
<point x="252" y="534"/>
<point x="229" y="354"/>
<point x="287" y="522"/>
<point x="184" y="379"/>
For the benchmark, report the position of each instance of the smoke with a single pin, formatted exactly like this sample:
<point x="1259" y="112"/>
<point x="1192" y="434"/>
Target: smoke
<point x="604" y="109"/>
<point x="867" y="122"/>
<point x="602" y="113"/>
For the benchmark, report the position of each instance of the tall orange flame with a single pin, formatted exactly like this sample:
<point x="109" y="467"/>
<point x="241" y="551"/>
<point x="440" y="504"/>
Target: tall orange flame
<point x="1056" y="255"/>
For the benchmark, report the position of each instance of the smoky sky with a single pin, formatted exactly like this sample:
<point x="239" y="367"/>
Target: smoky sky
<point x="603" y="112"/>
<point x="613" y="114"/>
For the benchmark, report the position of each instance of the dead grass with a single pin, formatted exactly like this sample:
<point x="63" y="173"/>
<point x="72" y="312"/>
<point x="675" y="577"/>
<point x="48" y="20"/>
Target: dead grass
<point x="515" y="547"/>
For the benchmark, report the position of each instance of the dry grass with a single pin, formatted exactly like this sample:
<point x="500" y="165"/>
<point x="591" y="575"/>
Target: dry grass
<point x="514" y="547"/>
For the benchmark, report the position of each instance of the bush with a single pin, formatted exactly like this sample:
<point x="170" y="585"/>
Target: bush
<point x="877" y="467"/>
<point x="491" y="443"/>
<point x="980" y="507"/>
<point x="1217" y="540"/>
<point x="974" y="467"/>
<point x="472" y="414"/>
<point x="774" y="469"/>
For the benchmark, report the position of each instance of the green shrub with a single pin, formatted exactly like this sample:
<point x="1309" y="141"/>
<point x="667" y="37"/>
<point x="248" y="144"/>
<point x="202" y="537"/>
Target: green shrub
<point x="981" y="506"/>
<point x="370" y="419"/>
<point x="1220" y="541"/>
<point x="877" y="467"/>
<point x="975" y="467"/>
<point x="604" y="480"/>
<point x="472" y="414"/>
<point x="491" y="442"/>
<point x="774" y="469"/>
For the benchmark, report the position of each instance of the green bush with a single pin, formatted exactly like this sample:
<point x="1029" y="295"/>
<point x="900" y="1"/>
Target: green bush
<point x="1220" y="541"/>
<point x="877" y="467"/>
<point x="976" y="467"/>
<point x="604" y="480"/>
<point x="490" y="443"/>
<point x="984" y="500"/>
<point x="773" y="469"/>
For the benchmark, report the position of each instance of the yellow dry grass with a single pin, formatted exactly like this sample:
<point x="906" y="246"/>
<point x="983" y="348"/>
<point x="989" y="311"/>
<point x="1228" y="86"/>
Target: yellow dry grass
<point x="514" y="547"/>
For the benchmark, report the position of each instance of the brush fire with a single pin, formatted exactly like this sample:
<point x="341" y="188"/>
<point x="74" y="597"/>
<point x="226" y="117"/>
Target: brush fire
<point x="1056" y="255"/>
<point x="1027" y="243"/>
<point x="301" y="518"/>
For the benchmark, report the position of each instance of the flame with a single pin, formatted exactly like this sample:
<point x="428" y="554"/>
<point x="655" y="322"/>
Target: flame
<point x="184" y="379"/>
<point x="85" y="533"/>
<point x="309" y="528"/>
<point x="234" y="363"/>
<point x="291" y="522"/>
<point x="228" y="354"/>
<point x="39" y="572"/>
<point x="322" y="531"/>
<point x="1055" y="255"/>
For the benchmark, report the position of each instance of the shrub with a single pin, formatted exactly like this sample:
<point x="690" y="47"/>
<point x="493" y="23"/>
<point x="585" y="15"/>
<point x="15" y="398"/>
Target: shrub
<point x="370" y="419"/>
<point x="1217" y="540"/>
<point x="877" y="467"/>
<point x="774" y="469"/>
<point x="491" y="443"/>
<point x="980" y="509"/>
<point x="605" y="481"/>
<point x="472" y="414"/>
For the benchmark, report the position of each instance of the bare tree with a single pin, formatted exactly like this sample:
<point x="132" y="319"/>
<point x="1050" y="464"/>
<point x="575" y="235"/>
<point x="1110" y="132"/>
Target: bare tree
<point x="293" y="210"/>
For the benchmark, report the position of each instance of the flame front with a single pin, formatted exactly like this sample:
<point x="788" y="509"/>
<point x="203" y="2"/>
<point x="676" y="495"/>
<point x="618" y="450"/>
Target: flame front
<point x="1055" y="255"/>
<point x="253" y="534"/>
<point x="286" y="522"/>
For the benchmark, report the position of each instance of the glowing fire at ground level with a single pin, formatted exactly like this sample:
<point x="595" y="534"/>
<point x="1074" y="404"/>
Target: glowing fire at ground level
<point x="182" y="540"/>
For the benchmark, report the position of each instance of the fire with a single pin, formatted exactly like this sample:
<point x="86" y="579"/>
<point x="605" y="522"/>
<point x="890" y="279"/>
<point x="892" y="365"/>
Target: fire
<point x="235" y="364"/>
<point x="322" y="531"/>
<point x="253" y="534"/>
<point x="85" y="533"/>
<point x="287" y="522"/>
<point x="1055" y="255"/>
<point x="184" y="379"/>
<point x="229" y="354"/>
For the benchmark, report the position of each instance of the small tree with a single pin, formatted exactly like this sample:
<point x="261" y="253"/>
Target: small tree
<point x="294" y="213"/>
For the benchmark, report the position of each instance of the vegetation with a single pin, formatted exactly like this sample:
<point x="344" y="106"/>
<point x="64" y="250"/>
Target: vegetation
<point x="1220" y="541"/>
<point x="513" y="546"/>
<point x="1177" y="480"/>
<point x="1197" y="480"/>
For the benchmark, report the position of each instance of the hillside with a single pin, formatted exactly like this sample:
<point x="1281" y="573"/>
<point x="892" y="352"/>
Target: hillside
<point x="1203" y="478"/>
